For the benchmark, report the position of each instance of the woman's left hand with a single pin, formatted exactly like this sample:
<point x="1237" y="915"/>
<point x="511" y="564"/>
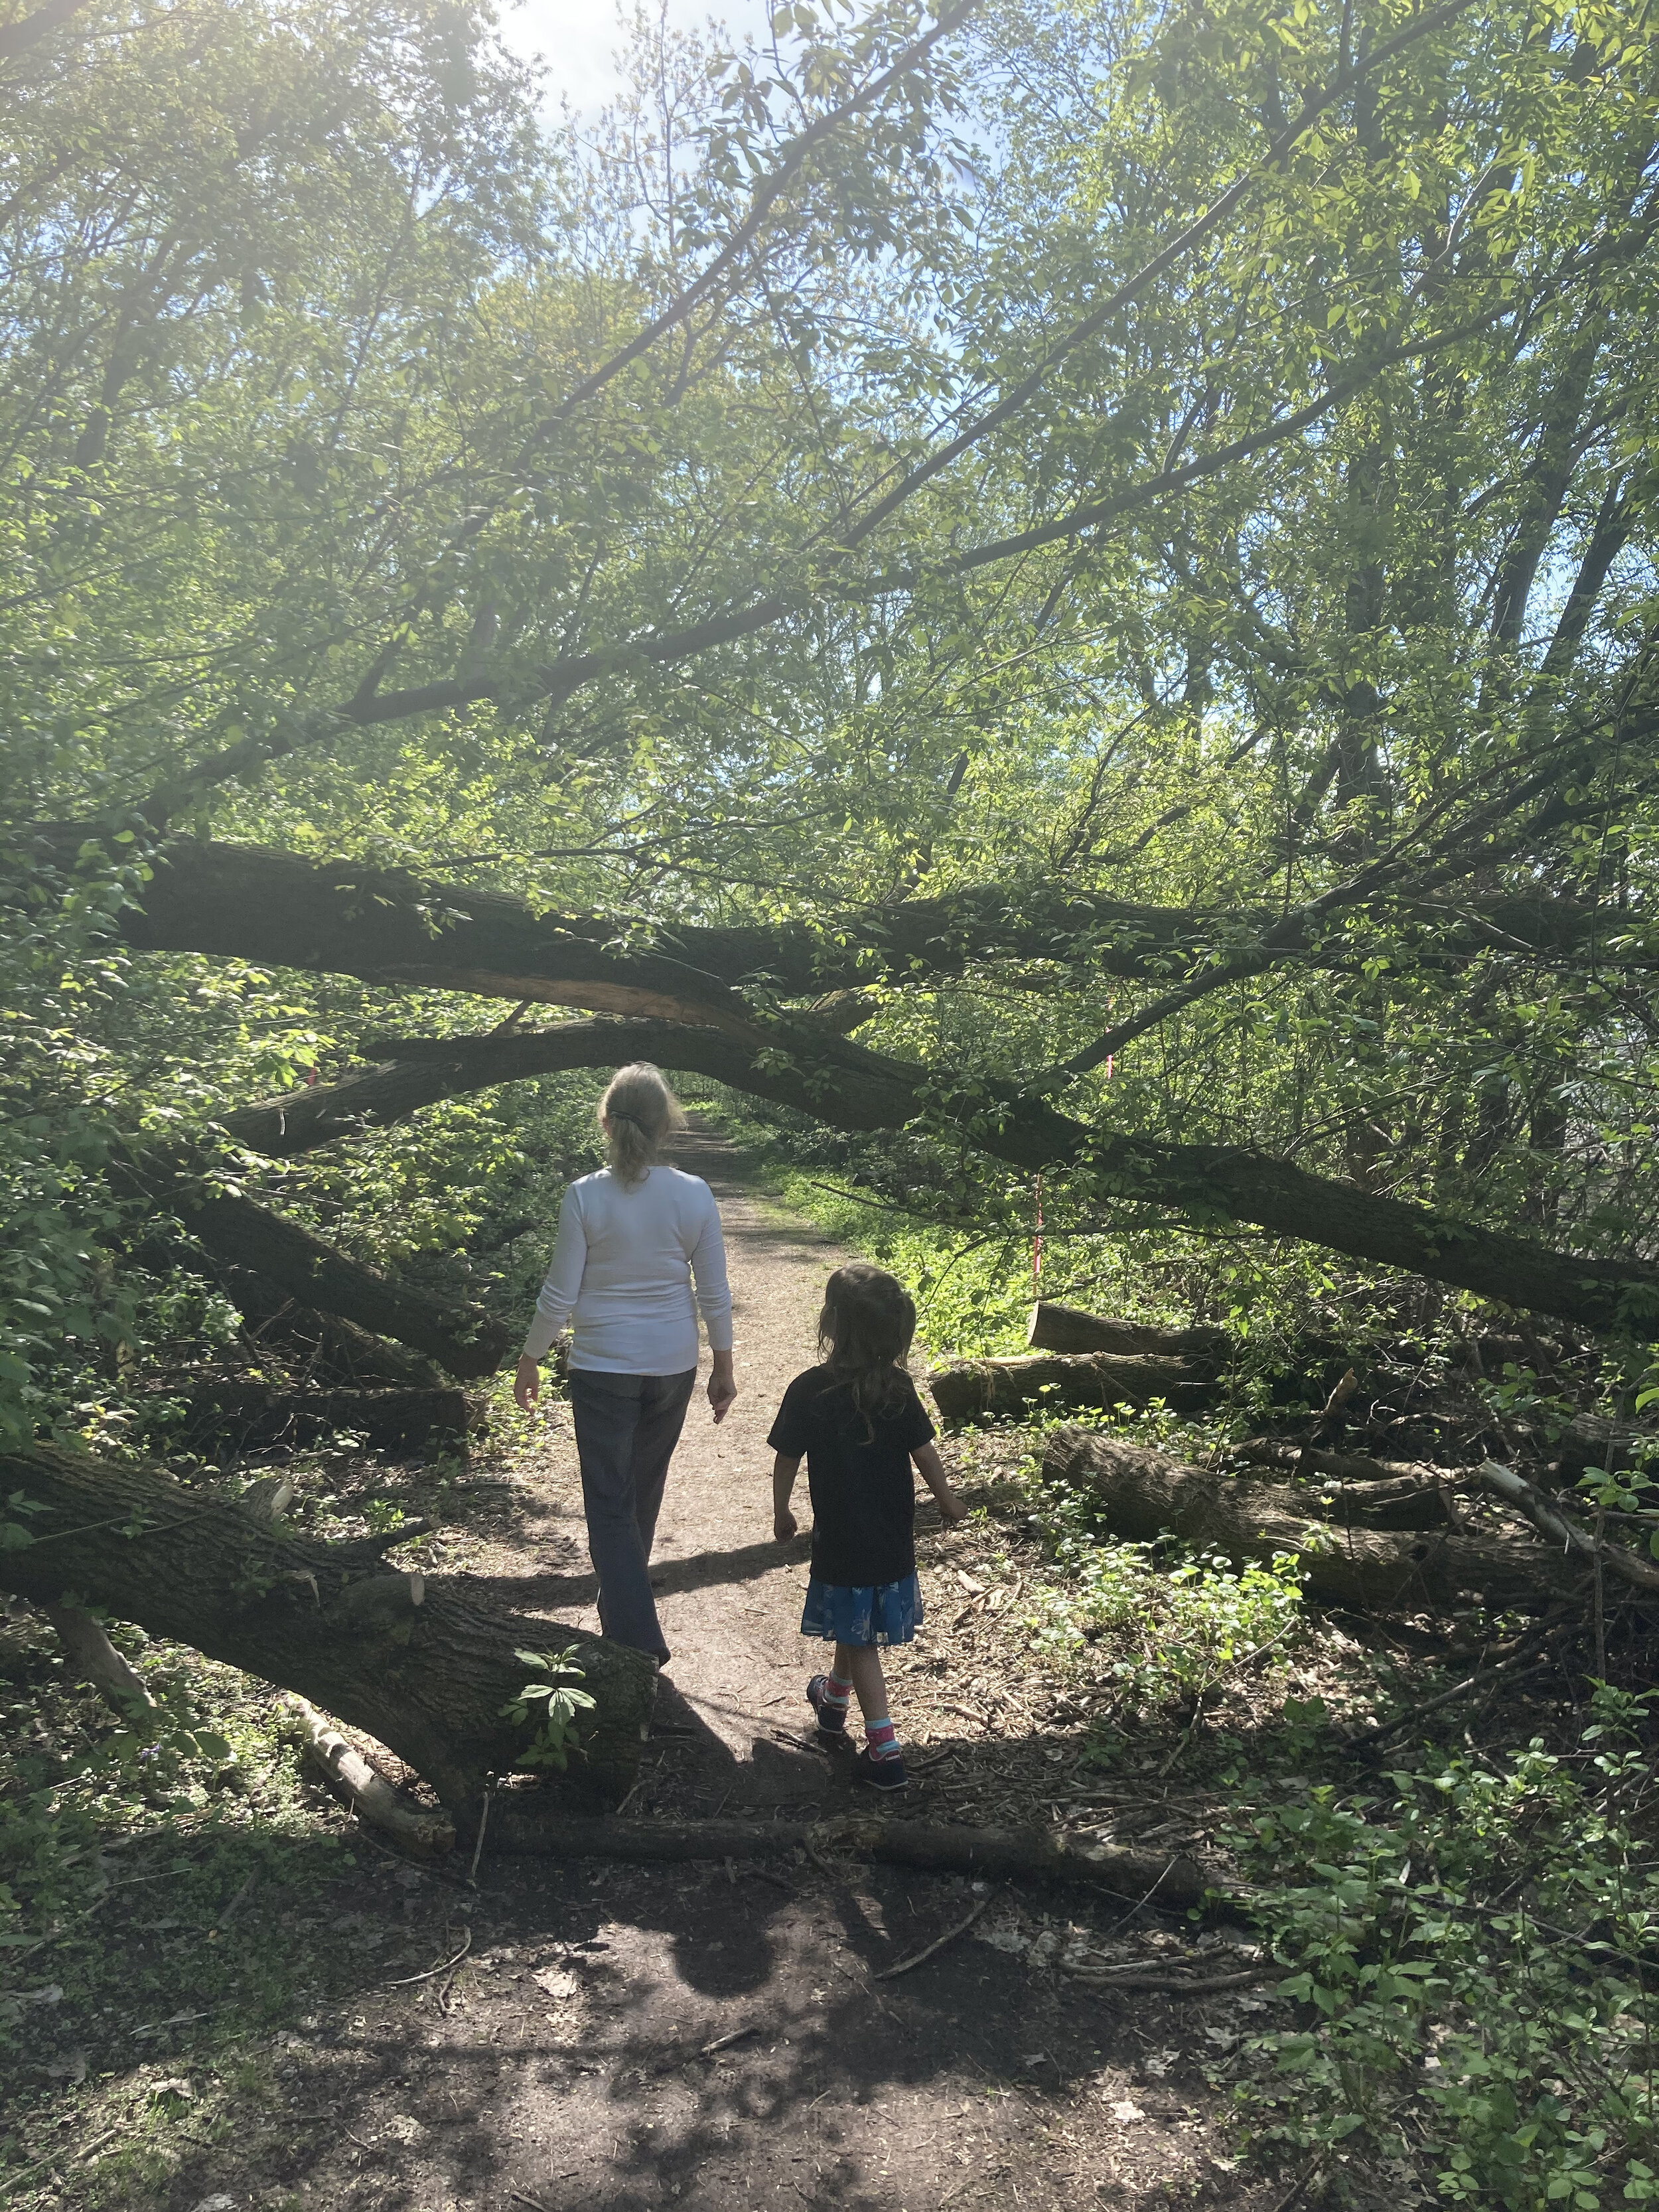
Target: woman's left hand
<point x="527" y="1382"/>
<point x="722" y="1386"/>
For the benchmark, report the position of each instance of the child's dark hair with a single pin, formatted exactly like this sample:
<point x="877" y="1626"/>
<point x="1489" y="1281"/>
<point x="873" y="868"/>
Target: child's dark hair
<point x="864" y="1334"/>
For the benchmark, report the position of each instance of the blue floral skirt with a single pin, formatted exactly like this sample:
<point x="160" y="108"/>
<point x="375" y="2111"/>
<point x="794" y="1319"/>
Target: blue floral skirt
<point x="878" y="1612"/>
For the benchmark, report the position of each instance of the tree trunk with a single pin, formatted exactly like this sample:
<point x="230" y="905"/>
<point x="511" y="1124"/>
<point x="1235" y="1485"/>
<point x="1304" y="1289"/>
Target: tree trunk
<point x="1068" y="1329"/>
<point x="1143" y="1495"/>
<point x="242" y="1416"/>
<point x="1168" y="1881"/>
<point x="242" y="1236"/>
<point x="1006" y="1389"/>
<point x="334" y="1350"/>
<point x="424" y="1664"/>
<point x="1356" y="1491"/>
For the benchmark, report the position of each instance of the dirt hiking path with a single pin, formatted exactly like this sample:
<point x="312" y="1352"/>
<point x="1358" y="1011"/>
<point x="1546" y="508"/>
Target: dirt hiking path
<point x="721" y="2038"/>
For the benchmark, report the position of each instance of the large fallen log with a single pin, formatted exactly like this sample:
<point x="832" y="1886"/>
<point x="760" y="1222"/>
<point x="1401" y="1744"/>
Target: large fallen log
<point x="1142" y="1495"/>
<point x="1166" y="1879"/>
<point x="422" y="1663"/>
<point x="973" y="1390"/>
<point x="1055" y="1327"/>
<point x="243" y="1415"/>
<point x="236" y="1233"/>
<point x="333" y="1350"/>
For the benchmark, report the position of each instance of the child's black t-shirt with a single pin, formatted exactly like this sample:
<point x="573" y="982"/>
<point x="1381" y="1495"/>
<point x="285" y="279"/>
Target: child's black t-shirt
<point x="863" y="1494"/>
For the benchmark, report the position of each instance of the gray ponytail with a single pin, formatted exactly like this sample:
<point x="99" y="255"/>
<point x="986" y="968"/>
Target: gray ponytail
<point x="643" y="1114"/>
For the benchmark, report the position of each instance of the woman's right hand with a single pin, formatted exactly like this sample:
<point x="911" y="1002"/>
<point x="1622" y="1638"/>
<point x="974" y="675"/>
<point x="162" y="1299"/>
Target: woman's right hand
<point x="527" y="1382"/>
<point x="722" y="1386"/>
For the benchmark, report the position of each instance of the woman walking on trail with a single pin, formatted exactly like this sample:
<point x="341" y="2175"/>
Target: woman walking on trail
<point x="633" y="1241"/>
<point x="858" y="1421"/>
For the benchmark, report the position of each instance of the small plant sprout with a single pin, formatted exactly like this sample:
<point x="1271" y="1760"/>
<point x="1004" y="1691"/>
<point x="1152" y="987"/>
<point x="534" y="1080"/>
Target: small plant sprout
<point x="553" y="1705"/>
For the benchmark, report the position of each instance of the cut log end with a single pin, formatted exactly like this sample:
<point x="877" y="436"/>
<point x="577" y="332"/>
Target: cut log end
<point x="975" y="1389"/>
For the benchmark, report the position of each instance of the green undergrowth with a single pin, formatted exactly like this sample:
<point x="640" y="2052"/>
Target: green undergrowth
<point x="159" y="1879"/>
<point x="1470" y="1941"/>
<point x="1467" y="1930"/>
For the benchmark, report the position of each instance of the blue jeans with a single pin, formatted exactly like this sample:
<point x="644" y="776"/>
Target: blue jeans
<point x="627" y="1427"/>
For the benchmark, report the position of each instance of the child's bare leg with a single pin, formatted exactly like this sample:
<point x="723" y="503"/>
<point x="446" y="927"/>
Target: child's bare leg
<point x="860" y="1665"/>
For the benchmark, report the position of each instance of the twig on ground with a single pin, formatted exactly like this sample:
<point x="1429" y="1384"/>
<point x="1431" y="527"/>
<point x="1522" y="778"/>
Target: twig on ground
<point x="448" y="1981"/>
<point x="817" y="1857"/>
<point x="478" y="1848"/>
<point x="938" y="1942"/>
<point x="1307" y="2174"/>
<point x="442" y="1967"/>
<point x="725" y="2042"/>
<point x="680" y="2056"/>
<point x="1475" y="1681"/>
<point x="1158" y="1978"/>
<point x="1135" y="1911"/>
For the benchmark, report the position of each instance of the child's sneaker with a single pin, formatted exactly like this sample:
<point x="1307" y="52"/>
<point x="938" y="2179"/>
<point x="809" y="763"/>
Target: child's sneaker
<point x="831" y="1718"/>
<point x="881" y="1773"/>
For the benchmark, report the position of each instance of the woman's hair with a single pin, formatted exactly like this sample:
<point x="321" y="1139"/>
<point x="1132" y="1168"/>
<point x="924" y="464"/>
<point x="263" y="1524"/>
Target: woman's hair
<point x="864" y="1334"/>
<point x="642" y="1113"/>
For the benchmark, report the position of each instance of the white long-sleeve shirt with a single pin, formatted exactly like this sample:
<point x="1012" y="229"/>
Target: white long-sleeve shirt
<point x="624" y="1262"/>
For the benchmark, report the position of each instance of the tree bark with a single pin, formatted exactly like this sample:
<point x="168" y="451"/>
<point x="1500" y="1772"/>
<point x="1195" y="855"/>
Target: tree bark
<point x="344" y="917"/>
<point x="423" y="1664"/>
<point x="333" y="1350"/>
<point x="1362" y="1491"/>
<point x="1005" y="1388"/>
<point x="1143" y="1495"/>
<point x="414" y="1828"/>
<point x="843" y="1084"/>
<point x="92" y="1658"/>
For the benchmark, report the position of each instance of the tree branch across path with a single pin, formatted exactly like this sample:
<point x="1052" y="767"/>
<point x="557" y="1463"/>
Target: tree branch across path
<point x="841" y="1084"/>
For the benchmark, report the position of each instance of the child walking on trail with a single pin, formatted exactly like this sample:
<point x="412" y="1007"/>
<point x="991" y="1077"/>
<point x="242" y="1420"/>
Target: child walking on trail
<point x="858" y="1422"/>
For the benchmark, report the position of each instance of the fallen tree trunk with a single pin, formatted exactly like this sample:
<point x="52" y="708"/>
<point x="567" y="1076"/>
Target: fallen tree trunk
<point x="423" y="1664"/>
<point x="1056" y="1328"/>
<point x="239" y="1233"/>
<point x="335" y="1351"/>
<point x="1171" y="1880"/>
<point x="973" y="1389"/>
<point x="244" y="1414"/>
<point x="1357" y="1492"/>
<point x="1142" y="1495"/>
